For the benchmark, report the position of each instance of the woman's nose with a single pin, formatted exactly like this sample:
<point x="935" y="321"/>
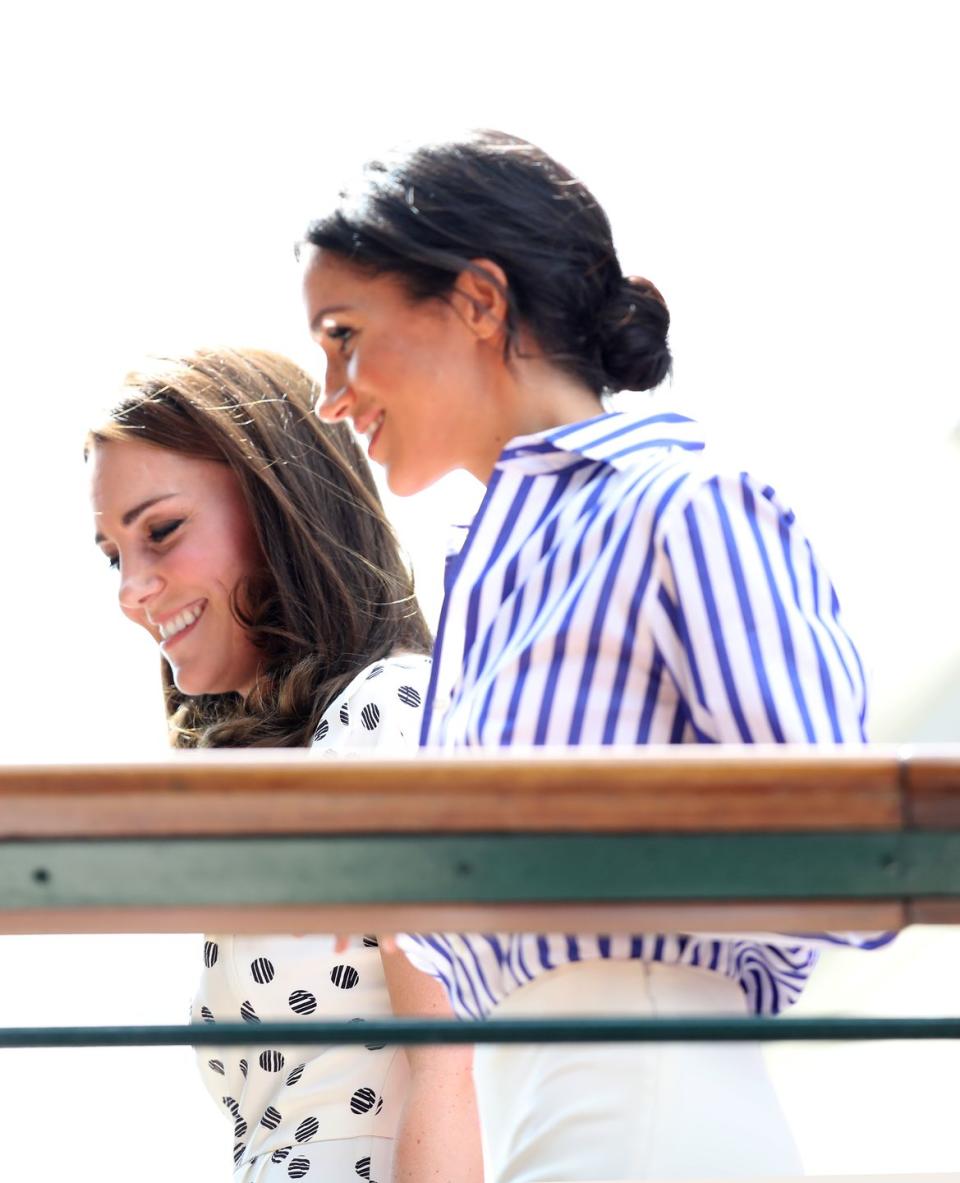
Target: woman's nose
<point x="337" y="400"/>
<point x="138" y="585"/>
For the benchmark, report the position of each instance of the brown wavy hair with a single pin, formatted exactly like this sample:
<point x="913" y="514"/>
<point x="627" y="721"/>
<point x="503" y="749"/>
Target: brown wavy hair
<point x="333" y="594"/>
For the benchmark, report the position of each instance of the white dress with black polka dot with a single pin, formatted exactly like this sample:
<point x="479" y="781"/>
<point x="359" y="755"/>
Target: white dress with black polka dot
<point x="314" y="1113"/>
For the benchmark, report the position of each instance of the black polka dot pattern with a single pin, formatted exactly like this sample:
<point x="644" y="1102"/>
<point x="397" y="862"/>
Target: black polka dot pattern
<point x="344" y="976"/>
<point x="302" y="1002"/>
<point x="262" y="970"/>
<point x="306" y="1129"/>
<point x="362" y="1101"/>
<point x="278" y="1106"/>
<point x="371" y="1047"/>
<point x="376" y="712"/>
<point x="271" y="1061"/>
<point x="271" y="1119"/>
<point x="207" y="1014"/>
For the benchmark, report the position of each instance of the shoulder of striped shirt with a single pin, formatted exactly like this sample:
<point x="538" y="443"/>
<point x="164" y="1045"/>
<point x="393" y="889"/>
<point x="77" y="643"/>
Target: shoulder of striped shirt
<point x="692" y="477"/>
<point x="671" y="443"/>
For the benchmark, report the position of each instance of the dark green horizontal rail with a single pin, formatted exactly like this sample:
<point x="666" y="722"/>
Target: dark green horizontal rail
<point x="478" y="868"/>
<point x="445" y="1031"/>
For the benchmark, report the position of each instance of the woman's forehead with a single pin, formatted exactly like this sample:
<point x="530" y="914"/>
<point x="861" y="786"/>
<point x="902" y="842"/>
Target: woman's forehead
<point x="122" y="469"/>
<point x="333" y="284"/>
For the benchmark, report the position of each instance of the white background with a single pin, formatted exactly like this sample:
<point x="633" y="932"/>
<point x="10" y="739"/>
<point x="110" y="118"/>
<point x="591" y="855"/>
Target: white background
<point x="784" y="172"/>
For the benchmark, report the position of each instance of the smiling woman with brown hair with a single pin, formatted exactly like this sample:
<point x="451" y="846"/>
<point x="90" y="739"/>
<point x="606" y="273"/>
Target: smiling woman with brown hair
<point x="323" y="589"/>
<point x="251" y="544"/>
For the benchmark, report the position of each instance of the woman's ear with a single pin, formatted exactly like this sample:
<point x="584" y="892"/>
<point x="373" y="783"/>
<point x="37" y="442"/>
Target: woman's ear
<point x="483" y="304"/>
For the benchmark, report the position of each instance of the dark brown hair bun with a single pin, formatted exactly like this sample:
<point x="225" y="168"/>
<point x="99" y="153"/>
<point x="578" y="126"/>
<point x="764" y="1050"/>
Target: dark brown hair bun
<point x="632" y="333"/>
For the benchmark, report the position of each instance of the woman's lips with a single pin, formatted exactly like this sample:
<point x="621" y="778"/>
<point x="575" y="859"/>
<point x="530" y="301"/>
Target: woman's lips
<point x="373" y="433"/>
<point x="182" y="624"/>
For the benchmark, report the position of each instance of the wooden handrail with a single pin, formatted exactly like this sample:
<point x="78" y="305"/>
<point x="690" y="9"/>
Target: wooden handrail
<point x="653" y="790"/>
<point x="444" y="826"/>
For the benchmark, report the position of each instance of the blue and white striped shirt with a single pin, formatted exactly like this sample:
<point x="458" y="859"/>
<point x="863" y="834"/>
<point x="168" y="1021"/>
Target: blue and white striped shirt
<point x="618" y="588"/>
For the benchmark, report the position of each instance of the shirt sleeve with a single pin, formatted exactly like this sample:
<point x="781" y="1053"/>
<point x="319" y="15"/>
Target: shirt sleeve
<point x="748" y="623"/>
<point x="378" y="713"/>
<point x="749" y="626"/>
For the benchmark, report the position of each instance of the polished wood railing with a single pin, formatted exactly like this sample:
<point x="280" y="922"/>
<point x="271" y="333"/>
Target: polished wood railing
<point x="668" y="839"/>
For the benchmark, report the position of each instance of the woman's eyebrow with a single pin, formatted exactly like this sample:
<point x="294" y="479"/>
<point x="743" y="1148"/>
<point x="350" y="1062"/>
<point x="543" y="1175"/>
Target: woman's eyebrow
<point x="132" y="514"/>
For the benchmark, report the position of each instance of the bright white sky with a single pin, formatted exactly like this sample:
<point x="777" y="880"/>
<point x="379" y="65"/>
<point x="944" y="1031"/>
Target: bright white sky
<point x="783" y="172"/>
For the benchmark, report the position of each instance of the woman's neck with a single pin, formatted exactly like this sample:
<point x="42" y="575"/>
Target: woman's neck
<point x="532" y="396"/>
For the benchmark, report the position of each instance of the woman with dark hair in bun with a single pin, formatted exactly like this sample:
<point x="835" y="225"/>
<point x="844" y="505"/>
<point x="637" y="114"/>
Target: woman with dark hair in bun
<point x="615" y="587"/>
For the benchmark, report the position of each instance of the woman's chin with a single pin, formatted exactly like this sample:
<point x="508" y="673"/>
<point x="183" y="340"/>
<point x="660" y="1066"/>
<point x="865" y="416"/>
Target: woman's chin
<point x="405" y="482"/>
<point x="189" y="683"/>
<point x="185" y="685"/>
<point x="194" y="683"/>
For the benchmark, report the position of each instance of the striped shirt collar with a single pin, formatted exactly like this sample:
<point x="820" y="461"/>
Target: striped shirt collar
<point x="613" y="438"/>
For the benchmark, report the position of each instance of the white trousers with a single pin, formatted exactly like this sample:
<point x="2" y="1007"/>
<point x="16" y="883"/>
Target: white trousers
<point x="633" y="1110"/>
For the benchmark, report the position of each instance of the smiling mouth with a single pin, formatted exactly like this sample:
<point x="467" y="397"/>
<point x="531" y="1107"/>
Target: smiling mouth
<point x="172" y="630"/>
<point x="373" y="430"/>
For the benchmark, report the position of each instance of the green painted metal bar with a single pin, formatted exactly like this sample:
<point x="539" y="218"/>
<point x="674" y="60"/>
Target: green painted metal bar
<point x="444" y="1031"/>
<point x="478" y="868"/>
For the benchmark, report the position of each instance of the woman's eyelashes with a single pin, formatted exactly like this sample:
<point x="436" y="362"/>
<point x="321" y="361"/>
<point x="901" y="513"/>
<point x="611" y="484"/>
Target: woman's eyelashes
<point x="159" y="533"/>
<point x="155" y="534"/>
<point x="342" y="334"/>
